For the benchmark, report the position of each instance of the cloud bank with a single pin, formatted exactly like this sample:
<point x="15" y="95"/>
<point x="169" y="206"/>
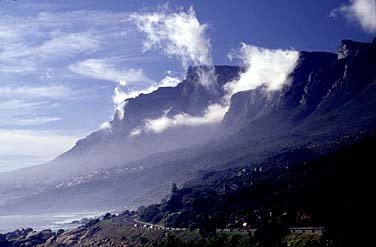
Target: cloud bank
<point x="178" y="34"/>
<point x="263" y="67"/>
<point x="102" y="69"/>
<point x="212" y="115"/>
<point x="361" y="11"/>
<point x="122" y="93"/>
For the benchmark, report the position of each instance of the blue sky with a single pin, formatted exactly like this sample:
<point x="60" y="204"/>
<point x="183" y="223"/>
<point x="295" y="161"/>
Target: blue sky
<point x="60" y="61"/>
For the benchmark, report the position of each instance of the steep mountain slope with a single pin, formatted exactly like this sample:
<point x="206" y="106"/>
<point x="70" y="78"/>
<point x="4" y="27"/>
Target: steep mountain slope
<point x="116" y="145"/>
<point x="247" y="106"/>
<point x="190" y="97"/>
<point x="324" y="92"/>
<point x="333" y="191"/>
<point x="329" y="102"/>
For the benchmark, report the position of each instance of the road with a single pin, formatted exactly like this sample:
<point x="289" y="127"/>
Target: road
<point x="132" y="222"/>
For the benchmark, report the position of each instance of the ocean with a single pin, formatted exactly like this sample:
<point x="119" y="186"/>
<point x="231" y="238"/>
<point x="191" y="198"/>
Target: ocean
<point x="11" y="223"/>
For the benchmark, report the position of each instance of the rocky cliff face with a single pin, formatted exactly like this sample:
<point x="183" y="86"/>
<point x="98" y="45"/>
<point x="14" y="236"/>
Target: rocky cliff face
<point x="251" y="105"/>
<point x="115" y="146"/>
<point x="322" y="85"/>
<point x="191" y="96"/>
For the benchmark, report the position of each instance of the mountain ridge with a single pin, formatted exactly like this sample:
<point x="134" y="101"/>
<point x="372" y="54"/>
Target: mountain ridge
<point x="310" y="112"/>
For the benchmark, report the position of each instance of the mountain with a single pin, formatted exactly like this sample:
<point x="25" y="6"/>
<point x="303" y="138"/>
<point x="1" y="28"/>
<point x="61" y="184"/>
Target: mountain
<point x="333" y="191"/>
<point x="248" y="106"/>
<point x="116" y="146"/>
<point x="328" y="103"/>
<point x="327" y="91"/>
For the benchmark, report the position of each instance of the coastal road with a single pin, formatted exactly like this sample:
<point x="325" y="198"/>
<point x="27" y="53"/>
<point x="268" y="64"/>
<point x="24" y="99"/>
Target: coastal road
<point x="132" y="222"/>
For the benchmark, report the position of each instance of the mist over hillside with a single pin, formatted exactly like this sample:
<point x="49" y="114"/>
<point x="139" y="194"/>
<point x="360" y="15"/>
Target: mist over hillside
<point x="170" y="135"/>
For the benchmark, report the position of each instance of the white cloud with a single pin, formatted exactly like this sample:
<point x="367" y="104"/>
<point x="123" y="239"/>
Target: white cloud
<point x="181" y="35"/>
<point x="169" y="81"/>
<point x="37" y="50"/>
<point x="178" y="34"/>
<point x="51" y="92"/>
<point x="130" y="83"/>
<point x="105" y="125"/>
<point x="121" y="93"/>
<point x="83" y="17"/>
<point x="136" y="131"/>
<point x="105" y="70"/>
<point x="42" y="145"/>
<point x="206" y="76"/>
<point x="19" y="105"/>
<point x="8" y="35"/>
<point x="24" y="57"/>
<point x="68" y="44"/>
<point x="263" y="67"/>
<point x="360" y="11"/>
<point x="31" y="43"/>
<point x="119" y="99"/>
<point x="213" y="114"/>
<point x="34" y="121"/>
<point x="26" y="99"/>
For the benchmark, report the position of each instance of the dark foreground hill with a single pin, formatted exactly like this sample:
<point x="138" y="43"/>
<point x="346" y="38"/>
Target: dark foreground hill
<point x="334" y="191"/>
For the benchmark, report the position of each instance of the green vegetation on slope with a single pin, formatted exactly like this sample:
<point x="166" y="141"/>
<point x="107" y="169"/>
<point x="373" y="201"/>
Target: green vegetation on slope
<point x="334" y="191"/>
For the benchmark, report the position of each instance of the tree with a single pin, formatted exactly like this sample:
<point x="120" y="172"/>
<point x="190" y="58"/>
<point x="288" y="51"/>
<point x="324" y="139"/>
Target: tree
<point x="174" y="189"/>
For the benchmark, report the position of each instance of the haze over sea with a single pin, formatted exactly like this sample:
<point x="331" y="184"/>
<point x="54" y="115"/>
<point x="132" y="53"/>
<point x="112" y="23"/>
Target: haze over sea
<point x="10" y="223"/>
